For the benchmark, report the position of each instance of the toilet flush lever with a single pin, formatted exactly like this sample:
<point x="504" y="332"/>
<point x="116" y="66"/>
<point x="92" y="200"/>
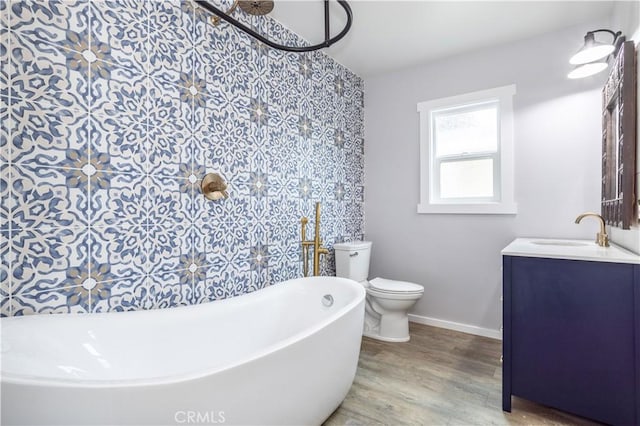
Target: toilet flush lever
<point x="353" y="254"/>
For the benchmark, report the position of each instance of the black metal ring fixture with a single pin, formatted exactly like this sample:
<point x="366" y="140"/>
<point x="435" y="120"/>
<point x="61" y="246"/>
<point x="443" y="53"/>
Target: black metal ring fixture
<point x="615" y="35"/>
<point x="618" y="39"/>
<point x="328" y="40"/>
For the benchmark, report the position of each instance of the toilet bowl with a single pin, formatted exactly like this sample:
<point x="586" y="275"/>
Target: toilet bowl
<point x="388" y="301"/>
<point x="391" y="300"/>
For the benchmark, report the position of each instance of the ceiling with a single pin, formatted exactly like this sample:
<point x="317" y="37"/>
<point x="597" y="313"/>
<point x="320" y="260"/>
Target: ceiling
<point x="391" y="35"/>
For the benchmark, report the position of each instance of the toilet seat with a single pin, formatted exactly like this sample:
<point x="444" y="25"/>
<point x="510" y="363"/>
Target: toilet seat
<point x="388" y="295"/>
<point x="384" y="286"/>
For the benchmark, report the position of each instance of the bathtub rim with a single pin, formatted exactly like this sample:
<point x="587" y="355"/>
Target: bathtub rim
<point x="22" y="380"/>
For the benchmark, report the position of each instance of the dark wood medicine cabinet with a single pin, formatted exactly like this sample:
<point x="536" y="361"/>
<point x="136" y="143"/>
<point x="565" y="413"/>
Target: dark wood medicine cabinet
<point x="619" y="141"/>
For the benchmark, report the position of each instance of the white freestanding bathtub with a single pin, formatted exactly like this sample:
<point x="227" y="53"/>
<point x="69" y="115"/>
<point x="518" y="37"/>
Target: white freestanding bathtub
<point x="282" y="355"/>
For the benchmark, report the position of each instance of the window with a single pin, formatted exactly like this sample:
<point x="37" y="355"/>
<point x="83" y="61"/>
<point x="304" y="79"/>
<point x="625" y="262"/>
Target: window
<point x="466" y="153"/>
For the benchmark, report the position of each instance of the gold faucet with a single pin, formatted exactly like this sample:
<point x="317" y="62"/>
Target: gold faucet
<point x="305" y="247"/>
<point x="316" y="243"/>
<point x="602" y="239"/>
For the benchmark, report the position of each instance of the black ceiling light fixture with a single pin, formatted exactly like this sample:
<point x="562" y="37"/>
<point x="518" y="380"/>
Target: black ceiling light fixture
<point x="262" y="7"/>
<point x="592" y="56"/>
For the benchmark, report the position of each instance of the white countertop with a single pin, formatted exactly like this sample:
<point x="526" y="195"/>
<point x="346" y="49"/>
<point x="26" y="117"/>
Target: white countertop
<point x="569" y="249"/>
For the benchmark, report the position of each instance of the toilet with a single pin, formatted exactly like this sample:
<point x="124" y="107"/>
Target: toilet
<point x="388" y="301"/>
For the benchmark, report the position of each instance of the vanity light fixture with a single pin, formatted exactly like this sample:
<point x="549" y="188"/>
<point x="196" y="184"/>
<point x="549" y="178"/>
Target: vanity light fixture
<point x="262" y="7"/>
<point x="586" y="70"/>
<point x="592" y="57"/>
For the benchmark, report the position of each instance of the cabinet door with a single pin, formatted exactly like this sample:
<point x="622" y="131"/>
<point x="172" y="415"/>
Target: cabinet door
<point x="572" y="336"/>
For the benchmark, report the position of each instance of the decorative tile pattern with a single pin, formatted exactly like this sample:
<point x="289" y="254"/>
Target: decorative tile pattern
<point x="111" y="114"/>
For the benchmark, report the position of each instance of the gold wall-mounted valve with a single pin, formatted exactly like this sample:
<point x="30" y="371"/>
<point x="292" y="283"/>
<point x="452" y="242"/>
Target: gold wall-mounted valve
<point x="214" y="187"/>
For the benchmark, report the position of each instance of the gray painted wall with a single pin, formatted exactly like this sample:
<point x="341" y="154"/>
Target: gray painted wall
<point x="557" y="153"/>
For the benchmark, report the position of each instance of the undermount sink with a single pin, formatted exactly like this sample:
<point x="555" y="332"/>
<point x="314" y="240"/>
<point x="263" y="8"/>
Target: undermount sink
<point x="559" y="248"/>
<point x="559" y="243"/>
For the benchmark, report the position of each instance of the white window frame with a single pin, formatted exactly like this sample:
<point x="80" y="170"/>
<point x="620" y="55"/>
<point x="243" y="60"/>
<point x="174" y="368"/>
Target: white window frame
<point x="503" y="201"/>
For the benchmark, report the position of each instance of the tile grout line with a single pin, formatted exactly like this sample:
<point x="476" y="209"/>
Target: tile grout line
<point x="147" y="103"/>
<point x="153" y="279"/>
<point x="194" y="189"/>
<point x="89" y="156"/>
<point x="178" y="177"/>
<point x="191" y="147"/>
<point x="269" y="141"/>
<point x="10" y="159"/>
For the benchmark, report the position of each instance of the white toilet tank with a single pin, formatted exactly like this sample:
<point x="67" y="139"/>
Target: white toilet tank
<point x="352" y="260"/>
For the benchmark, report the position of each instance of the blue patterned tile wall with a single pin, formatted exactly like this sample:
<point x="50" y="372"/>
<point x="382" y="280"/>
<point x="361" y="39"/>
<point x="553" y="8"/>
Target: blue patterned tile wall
<point x="113" y="111"/>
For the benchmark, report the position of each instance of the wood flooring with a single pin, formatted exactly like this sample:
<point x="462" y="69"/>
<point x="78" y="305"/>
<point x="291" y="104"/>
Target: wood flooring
<point x="440" y="377"/>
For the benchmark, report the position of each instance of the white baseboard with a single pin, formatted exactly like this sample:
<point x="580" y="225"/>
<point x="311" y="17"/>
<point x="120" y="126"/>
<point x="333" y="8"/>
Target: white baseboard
<point x="450" y="325"/>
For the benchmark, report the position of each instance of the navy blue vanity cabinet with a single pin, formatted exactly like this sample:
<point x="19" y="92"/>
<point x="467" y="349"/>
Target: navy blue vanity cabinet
<point x="572" y="336"/>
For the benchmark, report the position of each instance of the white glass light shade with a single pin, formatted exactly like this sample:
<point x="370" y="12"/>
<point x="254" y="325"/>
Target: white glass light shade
<point x="587" y="69"/>
<point x="591" y="53"/>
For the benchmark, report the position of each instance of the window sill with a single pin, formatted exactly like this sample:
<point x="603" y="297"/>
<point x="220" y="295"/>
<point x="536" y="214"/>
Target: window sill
<point x="471" y="208"/>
